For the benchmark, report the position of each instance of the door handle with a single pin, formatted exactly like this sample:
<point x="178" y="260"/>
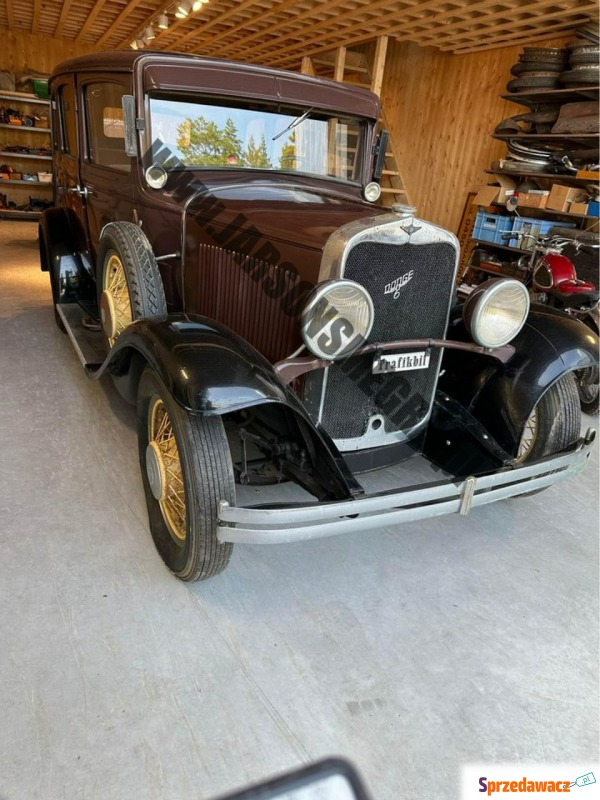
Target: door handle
<point x="82" y="191"/>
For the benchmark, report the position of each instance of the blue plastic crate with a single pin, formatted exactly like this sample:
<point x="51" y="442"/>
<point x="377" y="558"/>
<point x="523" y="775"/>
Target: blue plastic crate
<point x="491" y="227"/>
<point x="534" y="227"/>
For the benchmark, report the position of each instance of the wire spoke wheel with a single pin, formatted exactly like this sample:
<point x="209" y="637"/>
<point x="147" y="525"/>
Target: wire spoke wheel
<point x="115" y="303"/>
<point x="529" y="437"/>
<point x="164" y="470"/>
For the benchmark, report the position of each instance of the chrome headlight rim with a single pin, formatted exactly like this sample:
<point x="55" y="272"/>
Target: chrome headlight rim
<point x="479" y="301"/>
<point x="320" y="291"/>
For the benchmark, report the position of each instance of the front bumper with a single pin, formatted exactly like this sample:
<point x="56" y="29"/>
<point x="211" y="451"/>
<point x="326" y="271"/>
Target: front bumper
<point x="294" y="523"/>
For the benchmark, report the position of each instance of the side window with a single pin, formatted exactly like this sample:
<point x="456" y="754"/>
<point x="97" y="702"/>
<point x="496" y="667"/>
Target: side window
<point x="68" y="123"/>
<point x="105" y="131"/>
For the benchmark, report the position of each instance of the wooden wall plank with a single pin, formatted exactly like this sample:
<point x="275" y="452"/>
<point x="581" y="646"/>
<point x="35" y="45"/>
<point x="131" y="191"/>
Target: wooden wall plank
<point x="442" y="109"/>
<point x="24" y="52"/>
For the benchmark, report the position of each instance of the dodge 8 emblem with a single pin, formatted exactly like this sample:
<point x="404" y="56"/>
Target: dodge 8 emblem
<point x="395" y="286"/>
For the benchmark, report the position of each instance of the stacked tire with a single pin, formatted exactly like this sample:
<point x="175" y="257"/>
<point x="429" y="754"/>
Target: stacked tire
<point x="538" y="68"/>
<point x="583" y="67"/>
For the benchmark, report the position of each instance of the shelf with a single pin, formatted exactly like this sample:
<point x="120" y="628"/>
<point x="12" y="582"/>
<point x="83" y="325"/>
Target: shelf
<point x="9" y="182"/>
<point x="548" y="137"/>
<point x="557" y="95"/>
<point x="11" y="213"/>
<point x="24" y="97"/>
<point x="525" y="210"/>
<point x="8" y="154"/>
<point x="500" y="246"/>
<point x="555" y="176"/>
<point x="28" y="128"/>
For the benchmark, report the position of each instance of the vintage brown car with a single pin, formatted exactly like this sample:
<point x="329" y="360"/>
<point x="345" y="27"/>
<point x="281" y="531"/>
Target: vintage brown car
<point x="216" y="250"/>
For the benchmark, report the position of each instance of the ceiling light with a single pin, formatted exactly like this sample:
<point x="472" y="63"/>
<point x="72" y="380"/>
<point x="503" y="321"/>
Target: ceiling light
<point x="140" y="44"/>
<point x="183" y="9"/>
<point x="149" y="33"/>
<point x="197" y="5"/>
<point x="163" y="22"/>
<point x="134" y="45"/>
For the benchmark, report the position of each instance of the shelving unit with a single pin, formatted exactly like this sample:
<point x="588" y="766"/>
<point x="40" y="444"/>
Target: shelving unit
<point x="27" y="136"/>
<point x="531" y="99"/>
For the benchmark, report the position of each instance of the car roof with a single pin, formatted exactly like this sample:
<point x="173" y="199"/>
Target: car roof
<point x="362" y="101"/>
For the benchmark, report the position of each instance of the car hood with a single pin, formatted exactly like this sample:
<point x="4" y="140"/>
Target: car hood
<point x="297" y="212"/>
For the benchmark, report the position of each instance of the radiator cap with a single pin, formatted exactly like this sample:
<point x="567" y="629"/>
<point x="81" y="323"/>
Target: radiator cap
<point x="404" y="210"/>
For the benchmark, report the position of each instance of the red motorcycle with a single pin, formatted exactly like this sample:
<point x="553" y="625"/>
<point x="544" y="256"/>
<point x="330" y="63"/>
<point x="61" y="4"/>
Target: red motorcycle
<point x="552" y="280"/>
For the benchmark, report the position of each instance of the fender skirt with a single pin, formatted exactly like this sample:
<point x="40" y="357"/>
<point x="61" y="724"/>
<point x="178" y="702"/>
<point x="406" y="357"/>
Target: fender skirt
<point x="500" y="397"/>
<point x="210" y="370"/>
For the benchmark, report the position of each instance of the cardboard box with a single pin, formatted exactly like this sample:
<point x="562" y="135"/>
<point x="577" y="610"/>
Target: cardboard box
<point x="496" y="193"/>
<point x="578" y="208"/>
<point x="561" y="197"/>
<point x="535" y="199"/>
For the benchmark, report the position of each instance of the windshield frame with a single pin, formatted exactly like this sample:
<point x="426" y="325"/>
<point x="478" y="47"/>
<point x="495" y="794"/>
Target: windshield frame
<point x="291" y="108"/>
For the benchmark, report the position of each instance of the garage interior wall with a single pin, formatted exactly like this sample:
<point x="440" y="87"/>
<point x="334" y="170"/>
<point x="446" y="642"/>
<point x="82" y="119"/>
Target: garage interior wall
<point x="21" y="52"/>
<point x="441" y="109"/>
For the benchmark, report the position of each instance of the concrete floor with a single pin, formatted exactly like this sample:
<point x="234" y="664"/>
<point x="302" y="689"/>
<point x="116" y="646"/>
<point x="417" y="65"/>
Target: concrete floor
<point x="409" y="651"/>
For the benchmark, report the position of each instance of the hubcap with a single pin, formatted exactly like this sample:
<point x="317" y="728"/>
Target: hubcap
<point x="115" y="303"/>
<point x="163" y="467"/>
<point x="529" y="437"/>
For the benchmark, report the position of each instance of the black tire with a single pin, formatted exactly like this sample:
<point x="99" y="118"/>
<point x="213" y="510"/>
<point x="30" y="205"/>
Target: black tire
<point x="144" y="284"/>
<point x="558" y="419"/>
<point x="544" y="54"/>
<point x="524" y="67"/>
<point x="577" y="76"/>
<point x="585" y="58"/>
<point x="207" y="475"/>
<point x="520" y="84"/>
<point x="589" y="390"/>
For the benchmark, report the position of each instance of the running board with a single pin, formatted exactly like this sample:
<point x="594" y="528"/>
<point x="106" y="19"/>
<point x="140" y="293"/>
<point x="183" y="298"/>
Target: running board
<point x="89" y="345"/>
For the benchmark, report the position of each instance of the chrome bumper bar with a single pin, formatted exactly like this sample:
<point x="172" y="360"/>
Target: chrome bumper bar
<point x="294" y="523"/>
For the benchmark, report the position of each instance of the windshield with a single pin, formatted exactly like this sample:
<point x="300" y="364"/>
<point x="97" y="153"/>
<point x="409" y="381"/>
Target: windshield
<point x="255" y="135"/>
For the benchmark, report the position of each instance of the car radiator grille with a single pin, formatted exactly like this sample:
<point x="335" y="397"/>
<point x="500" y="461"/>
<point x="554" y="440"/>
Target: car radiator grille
<point x="352" y="393"/>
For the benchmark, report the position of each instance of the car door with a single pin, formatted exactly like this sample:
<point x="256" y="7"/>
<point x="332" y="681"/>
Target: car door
<point x="65" y="147"/>
<point x="105" y="168"/>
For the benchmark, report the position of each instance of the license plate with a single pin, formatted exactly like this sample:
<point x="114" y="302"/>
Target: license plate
<point x="401" y="362"/>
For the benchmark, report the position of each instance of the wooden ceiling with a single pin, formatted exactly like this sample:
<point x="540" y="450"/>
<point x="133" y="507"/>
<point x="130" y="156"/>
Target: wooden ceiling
<point x="279" y="32"/>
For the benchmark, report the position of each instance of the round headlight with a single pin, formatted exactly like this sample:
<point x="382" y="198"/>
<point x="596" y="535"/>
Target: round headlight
<point x="337" y="319"/>
<point x="372" y="191"/>
<point x="496" y="311"/>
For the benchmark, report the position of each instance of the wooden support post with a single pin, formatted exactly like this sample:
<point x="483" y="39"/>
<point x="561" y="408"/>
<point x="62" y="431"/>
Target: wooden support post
<point x="340" y="64"/>
<point x="379" y="64"/>
<point x="307" y="66"/>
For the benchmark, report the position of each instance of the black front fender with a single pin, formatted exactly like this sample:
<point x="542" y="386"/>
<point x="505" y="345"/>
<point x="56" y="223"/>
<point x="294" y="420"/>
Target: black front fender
<point x="210" y="370"/>
<point x="502" y="396"/>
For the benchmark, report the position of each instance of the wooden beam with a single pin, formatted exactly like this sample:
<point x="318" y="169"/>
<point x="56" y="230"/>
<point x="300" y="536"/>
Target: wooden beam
<point x="275" y="10"/>
<point x="96" y="9"/>
<point x="35" y="23"/>
<point x="524" y="40"/>
<point x="306" y="68"/>
<point x="402" y="29"/>
<point x="10" y="17"/>
<point x="379" y="64"/>
<point x="108" y="33"/>
<point x="64" y="14"/>
<point x="339" y="37"/>
<point x="216" y="20"/>
<point x="340" y="64"/>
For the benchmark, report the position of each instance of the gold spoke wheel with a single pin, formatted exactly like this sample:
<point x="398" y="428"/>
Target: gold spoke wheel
<point x="163" y="466"/>
<point x="529" y="437"/>
<point x="115" y="302"/>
